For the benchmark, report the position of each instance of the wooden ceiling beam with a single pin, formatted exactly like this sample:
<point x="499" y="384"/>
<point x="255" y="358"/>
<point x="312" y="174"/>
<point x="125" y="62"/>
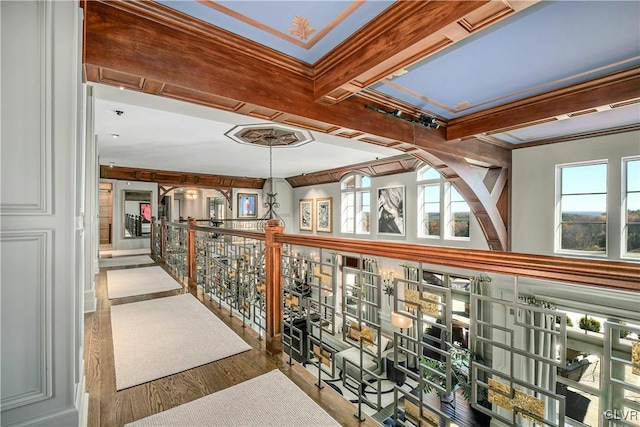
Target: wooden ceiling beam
<point x="382" y="167"/>
<point x="610" y="89"/>
<point x="396" y="39"/>
<point x="123" y="49"/>
<point x="405" y="33"/>
<point x="179" y="179"/>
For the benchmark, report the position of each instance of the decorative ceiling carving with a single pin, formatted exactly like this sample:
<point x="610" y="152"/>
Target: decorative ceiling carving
<point x="269" y="135"/>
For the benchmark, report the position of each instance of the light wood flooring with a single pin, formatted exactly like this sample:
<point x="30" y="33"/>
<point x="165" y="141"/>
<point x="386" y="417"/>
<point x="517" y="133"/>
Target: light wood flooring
<point x="108" y="407"/>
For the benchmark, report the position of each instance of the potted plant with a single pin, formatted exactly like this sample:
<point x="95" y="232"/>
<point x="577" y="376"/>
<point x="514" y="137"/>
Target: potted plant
<point x="460" y="371"/>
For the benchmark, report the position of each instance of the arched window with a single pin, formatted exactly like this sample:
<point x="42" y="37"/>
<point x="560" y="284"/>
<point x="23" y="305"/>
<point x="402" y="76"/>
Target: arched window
<point x="442" y="212"/>
<point x="356" y="204"/>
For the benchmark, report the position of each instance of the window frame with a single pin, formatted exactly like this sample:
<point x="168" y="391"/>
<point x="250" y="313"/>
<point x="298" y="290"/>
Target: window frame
<point x="356" y="210"/>
<point x="446" y="216"/>
<point x="558" y="211"/>
<point x="421" y="185"/>
<point x="624" y="193"/>
<point x="449" y="221"/>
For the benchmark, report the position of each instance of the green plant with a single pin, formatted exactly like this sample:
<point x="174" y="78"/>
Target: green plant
<point x="461" y="359"/>
<point x="623" y="333"/>
<point x="569" y="321"/>
<point x="589" y="324"/>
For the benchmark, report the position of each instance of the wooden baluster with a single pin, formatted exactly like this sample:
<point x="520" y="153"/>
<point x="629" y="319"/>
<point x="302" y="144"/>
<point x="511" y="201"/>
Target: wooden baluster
<point x="163" y="239"/>
<point x="152" y="238"/>
<point x="273" y="305"/>
<point x="191" y="253"/>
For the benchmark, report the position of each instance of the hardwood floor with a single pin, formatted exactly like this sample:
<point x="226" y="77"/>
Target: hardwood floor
<point x="108" y="407"/>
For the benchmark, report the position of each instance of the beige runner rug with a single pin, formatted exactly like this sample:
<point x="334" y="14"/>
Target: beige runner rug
<point x="139" y="281"/>
<point x="164" y="336"/>
<point x="271" y="399"/>
<point x="124" y="252"/>
<point x="123" y="261"/>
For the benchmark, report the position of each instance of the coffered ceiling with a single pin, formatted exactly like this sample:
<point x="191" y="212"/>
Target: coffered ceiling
<point x="494" y="75"/>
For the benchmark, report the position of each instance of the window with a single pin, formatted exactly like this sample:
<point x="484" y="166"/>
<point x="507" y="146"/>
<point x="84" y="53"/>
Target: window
<point x="429" y="193"/>
<point x="433" y="190"/>
<point x="582" y="225"/>
<point x="458" y="214"/>
<point x="631" y="208"/>
<point x="356" y="204"/>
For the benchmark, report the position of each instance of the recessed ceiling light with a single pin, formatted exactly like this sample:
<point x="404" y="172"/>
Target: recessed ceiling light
<point x="115" y="135"/>
<point x="121" y="87"/>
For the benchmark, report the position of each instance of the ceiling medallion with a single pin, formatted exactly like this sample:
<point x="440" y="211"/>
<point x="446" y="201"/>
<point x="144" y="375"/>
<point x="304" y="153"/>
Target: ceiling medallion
<point x="302" y="29"/>
<point x="269" y="135"/>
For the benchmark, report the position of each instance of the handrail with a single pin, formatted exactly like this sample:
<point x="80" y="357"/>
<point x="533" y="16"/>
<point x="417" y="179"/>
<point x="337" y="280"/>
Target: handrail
<point x="608" y="274"/>
<point x="225" y="220"/>
<point x="177" y="224"/>
<point x="230" y="231"/>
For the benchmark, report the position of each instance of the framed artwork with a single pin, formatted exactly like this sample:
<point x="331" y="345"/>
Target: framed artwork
<point x="391" y="210"/>
<point x="247" y="205"/>
<point x="145" y="211"/>
<point x="305" y="215"/>
<point x="324" y="214"/>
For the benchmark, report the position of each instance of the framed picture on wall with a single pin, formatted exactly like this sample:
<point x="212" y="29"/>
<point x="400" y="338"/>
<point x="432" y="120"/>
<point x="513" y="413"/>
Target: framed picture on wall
<point x="145" y="211"/>
<point x="305" y="215"/>
<point x="324" y="214"/>
<point x="391" y="210"/>
<point x="247" y="205"/>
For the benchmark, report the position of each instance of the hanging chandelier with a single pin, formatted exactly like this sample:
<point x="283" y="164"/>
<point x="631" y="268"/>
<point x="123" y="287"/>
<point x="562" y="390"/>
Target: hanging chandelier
<point x="269" y="135"/>
<point x="191" y="194"/>
<point x="271" y="204"/>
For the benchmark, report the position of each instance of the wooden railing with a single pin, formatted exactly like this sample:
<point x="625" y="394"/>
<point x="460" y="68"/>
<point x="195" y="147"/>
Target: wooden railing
<point x="608" y="274"/>
<point x="595" y="273"/>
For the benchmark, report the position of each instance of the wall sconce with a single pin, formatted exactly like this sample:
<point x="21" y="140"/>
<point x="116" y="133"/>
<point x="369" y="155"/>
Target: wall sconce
<point x="387" y="283"/>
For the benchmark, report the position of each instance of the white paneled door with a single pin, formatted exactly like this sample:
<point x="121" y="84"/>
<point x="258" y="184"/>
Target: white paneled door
<point x="41" y="365"/>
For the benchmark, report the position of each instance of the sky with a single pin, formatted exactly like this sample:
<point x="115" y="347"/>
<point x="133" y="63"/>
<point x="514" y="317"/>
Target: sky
<point x="581" y="185"/>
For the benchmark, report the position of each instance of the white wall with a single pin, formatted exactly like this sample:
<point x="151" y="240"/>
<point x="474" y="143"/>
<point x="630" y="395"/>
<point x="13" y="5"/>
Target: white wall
<point x="476" y="241"/>
<point x="41" y="314"/>
<point x="533" y="188"/>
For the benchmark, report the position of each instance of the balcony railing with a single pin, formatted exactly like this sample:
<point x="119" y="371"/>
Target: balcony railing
<point x="327" y="302"/>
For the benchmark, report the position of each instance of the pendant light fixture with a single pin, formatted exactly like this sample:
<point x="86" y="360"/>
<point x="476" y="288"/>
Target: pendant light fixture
<point x="271" y="204"/>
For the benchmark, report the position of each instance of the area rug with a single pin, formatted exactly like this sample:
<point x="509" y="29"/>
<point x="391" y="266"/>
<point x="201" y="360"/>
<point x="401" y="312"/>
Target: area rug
<point x="124" y="252"/>
<point x="139" y="281"/>
<point x="124" y="261"/>
<point x="271" y="399"/>
<point x="160" y="337"/>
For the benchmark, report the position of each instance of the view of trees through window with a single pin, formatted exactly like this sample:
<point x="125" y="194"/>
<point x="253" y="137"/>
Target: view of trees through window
<point x="632" y="201"/>
<point x="459" y="215"/>
<point x="583" y="207"/>
<point x="433" y="191"/>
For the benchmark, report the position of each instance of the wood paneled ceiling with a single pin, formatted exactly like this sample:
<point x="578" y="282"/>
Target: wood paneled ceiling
<point x="153" y="48"/>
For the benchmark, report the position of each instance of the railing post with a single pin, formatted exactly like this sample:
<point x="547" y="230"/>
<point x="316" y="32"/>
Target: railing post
<point x="163" y="239"/>
<point x="273" y="305"/>
<point x="191" y="253"/>
<point x="152" y="238"/>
